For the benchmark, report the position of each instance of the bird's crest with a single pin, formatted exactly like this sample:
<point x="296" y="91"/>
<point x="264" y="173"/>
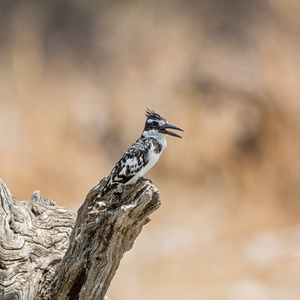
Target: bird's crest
<point x="152" y="114"/>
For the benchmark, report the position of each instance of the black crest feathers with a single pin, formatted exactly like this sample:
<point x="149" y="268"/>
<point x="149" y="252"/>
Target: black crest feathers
<point x="152" y="114"/>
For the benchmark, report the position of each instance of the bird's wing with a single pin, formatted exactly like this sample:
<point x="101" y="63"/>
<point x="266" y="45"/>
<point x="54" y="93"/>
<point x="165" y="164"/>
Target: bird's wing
<point x="131" y="163"/>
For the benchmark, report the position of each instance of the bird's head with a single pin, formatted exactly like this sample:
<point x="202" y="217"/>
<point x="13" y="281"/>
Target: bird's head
<point x="156" y="126"/>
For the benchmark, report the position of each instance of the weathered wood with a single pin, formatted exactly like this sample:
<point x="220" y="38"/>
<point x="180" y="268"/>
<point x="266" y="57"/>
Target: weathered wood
<point x="34" y="235"/>
<point x="42" y="258"/>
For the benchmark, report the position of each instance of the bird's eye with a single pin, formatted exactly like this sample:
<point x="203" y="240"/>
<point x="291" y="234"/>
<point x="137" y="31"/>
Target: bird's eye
<point x="154" y="123"/>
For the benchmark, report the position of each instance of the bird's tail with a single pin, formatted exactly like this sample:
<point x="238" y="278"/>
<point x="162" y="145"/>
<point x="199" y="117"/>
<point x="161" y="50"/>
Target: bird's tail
<point x="107" y="188"/>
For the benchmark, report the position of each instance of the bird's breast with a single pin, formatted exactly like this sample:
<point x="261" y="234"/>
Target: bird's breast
<point x="152" y="160"/>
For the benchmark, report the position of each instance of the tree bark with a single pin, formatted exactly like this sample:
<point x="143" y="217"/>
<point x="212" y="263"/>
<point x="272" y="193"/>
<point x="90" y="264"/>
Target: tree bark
<point x="46" y="253"/>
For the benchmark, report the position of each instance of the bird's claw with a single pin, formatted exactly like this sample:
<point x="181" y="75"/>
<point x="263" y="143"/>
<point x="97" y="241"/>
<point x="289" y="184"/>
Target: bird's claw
<point x="144" y="178"/>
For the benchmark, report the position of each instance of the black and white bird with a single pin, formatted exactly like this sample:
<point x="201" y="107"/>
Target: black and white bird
<point x="144" y="152"/>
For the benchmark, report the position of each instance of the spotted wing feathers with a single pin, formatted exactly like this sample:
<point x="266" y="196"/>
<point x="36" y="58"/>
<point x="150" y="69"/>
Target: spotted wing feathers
<point x="135" y="158"/>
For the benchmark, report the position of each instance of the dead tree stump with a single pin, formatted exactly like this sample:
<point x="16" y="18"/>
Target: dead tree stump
<point x="46" y="253"/>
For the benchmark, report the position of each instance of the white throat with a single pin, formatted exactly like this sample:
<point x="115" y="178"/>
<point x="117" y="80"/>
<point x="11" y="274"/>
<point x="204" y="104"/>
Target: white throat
<point x="160" y="137"/>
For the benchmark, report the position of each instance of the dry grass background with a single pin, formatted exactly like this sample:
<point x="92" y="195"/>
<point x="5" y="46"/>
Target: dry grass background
<point x="75" y="79"/>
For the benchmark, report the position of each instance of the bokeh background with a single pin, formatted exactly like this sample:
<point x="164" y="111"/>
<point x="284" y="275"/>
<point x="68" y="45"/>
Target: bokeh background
<point x="75" y="80"/>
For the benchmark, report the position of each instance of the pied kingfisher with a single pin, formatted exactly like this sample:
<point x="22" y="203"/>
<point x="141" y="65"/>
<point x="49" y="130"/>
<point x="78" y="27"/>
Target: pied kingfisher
<point x="143" y="154"/>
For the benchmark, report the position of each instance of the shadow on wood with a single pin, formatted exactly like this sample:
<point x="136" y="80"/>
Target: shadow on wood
<point x="46" y="254"/>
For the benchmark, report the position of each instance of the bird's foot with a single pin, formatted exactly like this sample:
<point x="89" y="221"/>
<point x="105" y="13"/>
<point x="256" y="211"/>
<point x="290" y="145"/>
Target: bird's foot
<point x="118" y="190"/>
<point x="144" y="178"/>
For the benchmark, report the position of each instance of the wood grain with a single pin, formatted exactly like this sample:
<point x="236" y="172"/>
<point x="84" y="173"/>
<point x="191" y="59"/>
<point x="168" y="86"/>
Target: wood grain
<point x="46" y="254"/>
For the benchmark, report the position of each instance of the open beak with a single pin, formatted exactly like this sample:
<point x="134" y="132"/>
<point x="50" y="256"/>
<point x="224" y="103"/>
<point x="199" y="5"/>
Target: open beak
<point x="163" y="130"/>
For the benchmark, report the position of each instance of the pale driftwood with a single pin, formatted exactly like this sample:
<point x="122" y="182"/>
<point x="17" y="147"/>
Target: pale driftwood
<point x="43" y="257"/>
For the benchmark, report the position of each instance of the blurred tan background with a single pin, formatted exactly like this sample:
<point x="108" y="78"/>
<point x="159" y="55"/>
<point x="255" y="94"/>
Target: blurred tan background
<point x="75" y="80"/>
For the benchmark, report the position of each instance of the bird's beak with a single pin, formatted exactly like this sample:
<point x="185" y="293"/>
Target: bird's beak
<point x="163" y="130"/>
